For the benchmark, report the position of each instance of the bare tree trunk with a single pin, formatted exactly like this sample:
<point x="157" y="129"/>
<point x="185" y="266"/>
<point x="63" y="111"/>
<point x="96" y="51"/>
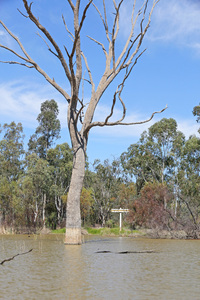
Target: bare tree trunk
<point x="73" y="215"/>
<point x="58" y="204"/>
<point x="35" y="213"/>
<point x="44" y="210"/>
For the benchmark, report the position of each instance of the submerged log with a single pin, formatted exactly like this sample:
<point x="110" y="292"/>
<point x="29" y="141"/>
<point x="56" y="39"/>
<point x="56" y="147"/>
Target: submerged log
<point x="127" y="252"/>
<point x="11" y="258"/>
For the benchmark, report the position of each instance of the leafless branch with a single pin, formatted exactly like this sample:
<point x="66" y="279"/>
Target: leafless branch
<point x="15" y="53"/>
<point x="22" y="13"/>
<point x="100" y="44"/>
<point x="89" y="72"/>
<point x="16" y="63"/>
<point x="71" y="35"/>
<point x="47" y="45"/>
<point x="49" y="37"/>
<point x="115" y="31"/>
<point x="105" y="24"/>
<point x="112" y="109"/>
<point x="101" y="124"/>
<point x="18" y="41"/>
<point x="105" y="16"/>
<point x="11" y="258"/>
<point x="77" y="33"/>
<point x="71" y="4"/>
<point x="30" y="61"/>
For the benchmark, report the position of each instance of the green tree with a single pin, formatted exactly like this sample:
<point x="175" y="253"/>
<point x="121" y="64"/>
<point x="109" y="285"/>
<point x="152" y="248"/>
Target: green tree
<point x="11" y="151"/>
<point x="60" y="160"/>
<point x="165" y="136"/>
<point x="37" y="183"/>
<point x="47" y="131"/>
<point x="87" y="201"/>
<point x="11" y="169"/>
<point x="105" y="184"/>
<point x="154" y="157"/>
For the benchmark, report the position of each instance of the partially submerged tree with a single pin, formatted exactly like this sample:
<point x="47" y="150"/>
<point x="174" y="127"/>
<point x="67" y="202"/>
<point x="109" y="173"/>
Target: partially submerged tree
<point x="80" y="114"/>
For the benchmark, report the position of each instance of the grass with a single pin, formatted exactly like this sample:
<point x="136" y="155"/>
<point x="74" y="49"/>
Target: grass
<point x="111" y="231"/>
<point x="105" y="231"/>
<point x="61" y="230"/>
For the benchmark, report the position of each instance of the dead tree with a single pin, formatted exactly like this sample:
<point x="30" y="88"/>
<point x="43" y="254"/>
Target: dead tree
<point x="73" y="60"/>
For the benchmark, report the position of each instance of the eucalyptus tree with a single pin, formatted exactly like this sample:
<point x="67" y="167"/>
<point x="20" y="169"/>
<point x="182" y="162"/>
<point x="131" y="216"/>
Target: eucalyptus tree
<point x="138" y="163"/>
<point x="11" y="168"/>
<point x="36" y="186"/>
<point x="168" y="142"/>
<point x="155" y="157"/>
<point x="117" y="63"/>
<point x="105" y="185"/>
<point x="11" y="151"/>
<point x="47" y="131"/>
<point x="60" y="160"/>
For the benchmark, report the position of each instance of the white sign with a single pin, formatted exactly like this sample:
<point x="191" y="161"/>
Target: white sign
<point x="120" y="210"/>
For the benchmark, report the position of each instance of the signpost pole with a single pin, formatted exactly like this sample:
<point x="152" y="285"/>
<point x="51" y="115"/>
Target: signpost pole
<point x="120" y="221"/>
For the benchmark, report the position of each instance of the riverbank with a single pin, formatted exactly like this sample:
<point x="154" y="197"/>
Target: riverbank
<point x="125" y="232"/>
<point x="115" y="232"/>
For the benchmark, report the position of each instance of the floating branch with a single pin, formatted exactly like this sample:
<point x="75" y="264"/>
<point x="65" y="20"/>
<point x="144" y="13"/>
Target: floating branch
<point x="11" y="258"/>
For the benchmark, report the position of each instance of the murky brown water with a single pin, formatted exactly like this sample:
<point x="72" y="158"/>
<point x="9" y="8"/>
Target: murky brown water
<point x="55" y="271"/>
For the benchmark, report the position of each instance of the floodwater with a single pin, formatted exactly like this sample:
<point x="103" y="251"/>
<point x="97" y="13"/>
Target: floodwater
<point x="53" y="270"/>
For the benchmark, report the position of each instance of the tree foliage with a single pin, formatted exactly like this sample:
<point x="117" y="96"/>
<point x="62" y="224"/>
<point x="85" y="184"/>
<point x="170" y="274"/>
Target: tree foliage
<point x="48" y="130"/>
<point x="157" y="179"/>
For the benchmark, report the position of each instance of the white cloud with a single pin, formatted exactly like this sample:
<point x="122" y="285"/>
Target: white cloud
<point x="176" y="21"/>
<point x="188" y="127"/>
<point x="21" y="101"/>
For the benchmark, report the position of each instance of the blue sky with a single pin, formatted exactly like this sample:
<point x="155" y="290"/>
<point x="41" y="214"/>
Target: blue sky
<point x="167" y="73"/>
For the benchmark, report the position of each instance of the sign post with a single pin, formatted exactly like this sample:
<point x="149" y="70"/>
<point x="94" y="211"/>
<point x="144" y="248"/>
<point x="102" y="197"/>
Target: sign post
<point x="120" y="211"/>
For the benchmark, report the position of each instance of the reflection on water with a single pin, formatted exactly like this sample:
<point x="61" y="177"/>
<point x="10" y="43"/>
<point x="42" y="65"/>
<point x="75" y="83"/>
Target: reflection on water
<point x="55" y="271"/>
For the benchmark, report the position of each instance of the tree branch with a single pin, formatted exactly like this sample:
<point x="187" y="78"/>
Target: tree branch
<point x="11" y="258"/>
<point x="49" y="37"/>
<point x="16" y="63"/>
<point x="100" y="44"/>
<point x="105" y="24"/>
<point x="101" y="124"/>
<point x="114" y="33"/>
<point x="47" y="45"/>
<point x="89" y="72"/>
<point x="72" y="36"/>
<point x="71" y="4"/>
<point x="30" y="61"/>
<point x="77" y="32"/>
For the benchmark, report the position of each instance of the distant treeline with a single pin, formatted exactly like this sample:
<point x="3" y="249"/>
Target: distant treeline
<point x="157" y="179"/>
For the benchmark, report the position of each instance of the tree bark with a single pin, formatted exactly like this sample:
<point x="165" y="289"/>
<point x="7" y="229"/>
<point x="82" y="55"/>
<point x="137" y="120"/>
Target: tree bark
<point x="73" y="214"/>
